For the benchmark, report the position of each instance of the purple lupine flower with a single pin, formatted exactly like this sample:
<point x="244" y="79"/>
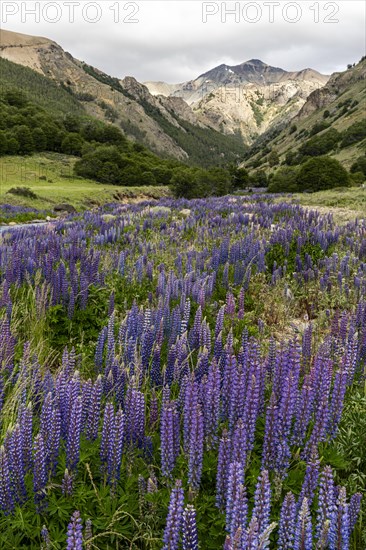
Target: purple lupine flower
<point x="108" y="436"/>
<point x="167" y="438"/>
<point x="326" y="501"/>
<point x="39" y="472"/>
<point x="230" y="304"/>
<point x="98" y="359"/>
<point x="154" y="411"/>
<point x="236" y="504"/>
<point x="250" y="538"/>
<point x="155" y="370"/>
<point x="46" y="541"/>
<point x="196" y="449"/>
<point x="25" y="420"/>
<point x="75" y="532"/>
<point x="6" y="493"/>
<point x="15" y="446"/>
<point x="304" y="410"/>
<point x="339" y="533"/>
<point x="240" y="442"/>
<point x="67" y="484"/>
<point x="354" y="510"/>
<point x="319" y="431"/>
<point x="255" y="390"/>
<point x="73" y="436"/>
<point x="286" y="530"/>
<point x="135" y="417"/>
<point x="174" y="519"/>
<point x="211" y="405"/>
<point x="190" y="536"/>
<point x="303" y="532"/>
<point x="115" y="456"/>
<point x="262" y="502"/>
<point x="311" y="479"/>
<point x="229" y="381"/>
<point x="271" y="442"/>
<point x="224" y="459"/>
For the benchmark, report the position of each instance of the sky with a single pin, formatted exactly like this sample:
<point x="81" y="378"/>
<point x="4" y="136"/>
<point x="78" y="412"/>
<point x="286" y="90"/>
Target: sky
<point x="177" y="41"/>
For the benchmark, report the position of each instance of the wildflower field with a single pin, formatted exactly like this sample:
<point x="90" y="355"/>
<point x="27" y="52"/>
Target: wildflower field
<point x="184" y="375"/>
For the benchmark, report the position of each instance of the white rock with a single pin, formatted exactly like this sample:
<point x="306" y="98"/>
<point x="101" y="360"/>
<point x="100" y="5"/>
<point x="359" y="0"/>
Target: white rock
<point x="185" y="212"/>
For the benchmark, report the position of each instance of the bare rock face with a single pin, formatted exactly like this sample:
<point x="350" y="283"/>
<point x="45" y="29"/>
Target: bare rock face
<point x="249" y="98"/>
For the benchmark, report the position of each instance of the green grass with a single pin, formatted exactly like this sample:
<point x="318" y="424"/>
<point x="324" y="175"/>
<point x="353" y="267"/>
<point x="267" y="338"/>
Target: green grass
<point x="50" y="176"/>
<point x="344" y="204"/>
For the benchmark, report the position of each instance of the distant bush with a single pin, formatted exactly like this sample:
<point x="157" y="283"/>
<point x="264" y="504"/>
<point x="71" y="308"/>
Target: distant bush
<point x="320" y="173"/>
<point x="273" y="159"/>
<point x="258" y="179"/>
<point x="22" y="192"/>
<point x="319" y="127"/>
<point x="284" y="180"/>
<point x="354" y="134"/>
<point x="359" y="165"/>
<point x="320" y="145"/>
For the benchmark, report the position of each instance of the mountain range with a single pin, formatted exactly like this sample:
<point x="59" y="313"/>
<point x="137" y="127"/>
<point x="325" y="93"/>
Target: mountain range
<point x="226" y="114"/>
<point x="241" y="101"/>
<point x="249" y="98"/>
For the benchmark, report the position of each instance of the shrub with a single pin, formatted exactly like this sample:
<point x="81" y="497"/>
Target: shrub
<point x="318" y="127"/>
<point x="284" y="180"/>
<point x="72" y="144"/>
<point x="22" y="192"/>
<point x="320" y="145"/>
<point x="359" y="165"/>
<point x="321" y="173"/>
<point x="353" y="134"/>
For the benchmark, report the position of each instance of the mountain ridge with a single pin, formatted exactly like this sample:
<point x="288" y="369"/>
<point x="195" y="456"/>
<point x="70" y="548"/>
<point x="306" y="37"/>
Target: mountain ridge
<point x="123" y="102"/>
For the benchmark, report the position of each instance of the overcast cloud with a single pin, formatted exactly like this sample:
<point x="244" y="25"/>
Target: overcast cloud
<point x="170" y="41"/>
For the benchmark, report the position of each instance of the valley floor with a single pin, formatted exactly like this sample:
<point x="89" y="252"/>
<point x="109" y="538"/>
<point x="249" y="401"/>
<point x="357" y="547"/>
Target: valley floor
<point x="50" y="176"/>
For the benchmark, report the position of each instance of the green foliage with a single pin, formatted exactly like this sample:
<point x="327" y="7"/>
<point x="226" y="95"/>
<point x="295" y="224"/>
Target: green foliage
<point x="273" y="159"/>
<point x="22" y="192"/>
<point x="258" y="179"/>
<point x="277" y="254"/>
<point x="284" y="180"/>
<point x="354" y="134"/>
<point x="320" y="145"/>
<point x="72" y="144"/>
<point x="193" y="182"/>
<point x="258" y="116"/>
<point x="359" y="165"/>
<point x="239" y="177"/>
<point x="22" y="84"/>
<point x="293" y="129"/>
<point x="82" y="330"/>
<point x="321" y="173"/>
<point x="319" y="126"/>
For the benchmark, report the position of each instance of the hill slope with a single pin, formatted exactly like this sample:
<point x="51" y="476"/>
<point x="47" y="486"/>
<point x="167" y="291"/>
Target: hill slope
<point x="335" y="112"/>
